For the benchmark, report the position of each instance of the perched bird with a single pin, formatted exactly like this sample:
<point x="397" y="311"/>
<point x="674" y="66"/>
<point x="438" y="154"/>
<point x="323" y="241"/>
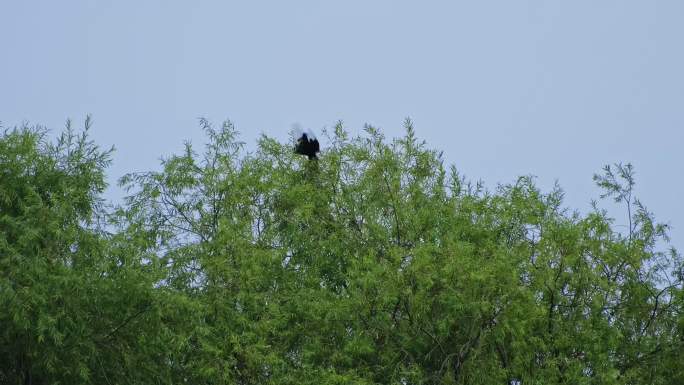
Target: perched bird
<point x="307" y="144"/>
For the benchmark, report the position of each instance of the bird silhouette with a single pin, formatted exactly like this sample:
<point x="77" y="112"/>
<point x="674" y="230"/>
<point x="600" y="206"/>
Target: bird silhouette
<point x="307" y="145"/>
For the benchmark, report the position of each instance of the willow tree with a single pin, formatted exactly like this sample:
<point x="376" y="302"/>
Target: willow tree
<point x="374" y="264"/>
<point x="379" y="264"/>
<point x="78" y="303"/>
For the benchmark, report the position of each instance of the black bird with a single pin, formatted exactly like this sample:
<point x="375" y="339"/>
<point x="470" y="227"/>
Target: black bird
<point x="308" y="145"/>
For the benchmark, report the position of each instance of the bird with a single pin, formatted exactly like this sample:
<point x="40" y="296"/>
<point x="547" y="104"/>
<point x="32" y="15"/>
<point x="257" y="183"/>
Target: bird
<point x="307" y="144"/>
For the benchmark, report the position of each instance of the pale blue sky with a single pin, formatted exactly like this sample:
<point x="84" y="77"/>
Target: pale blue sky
<point x="504" y="88"/>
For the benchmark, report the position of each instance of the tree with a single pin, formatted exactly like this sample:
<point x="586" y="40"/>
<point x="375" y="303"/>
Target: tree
<point x="379" y="265"/>
<point x="78" y="305"/>
<point x="376" y="264"/>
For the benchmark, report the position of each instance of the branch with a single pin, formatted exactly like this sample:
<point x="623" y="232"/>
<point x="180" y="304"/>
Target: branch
<point x="126" y="322"/>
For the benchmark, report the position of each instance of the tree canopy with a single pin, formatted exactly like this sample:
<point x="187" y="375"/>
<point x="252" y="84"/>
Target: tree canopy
<point x="375" y="264"/>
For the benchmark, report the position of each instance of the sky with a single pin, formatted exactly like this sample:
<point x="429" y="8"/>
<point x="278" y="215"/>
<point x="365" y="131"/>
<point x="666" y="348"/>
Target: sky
<point x="555" y="89"/>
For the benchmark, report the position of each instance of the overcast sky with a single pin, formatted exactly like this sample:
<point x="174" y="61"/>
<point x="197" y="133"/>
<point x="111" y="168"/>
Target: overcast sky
<point x="505" y="88"/>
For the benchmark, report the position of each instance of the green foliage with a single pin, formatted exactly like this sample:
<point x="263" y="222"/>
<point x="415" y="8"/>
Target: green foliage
<point x="374" y="265"/>
<point x="77" y="305"/>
